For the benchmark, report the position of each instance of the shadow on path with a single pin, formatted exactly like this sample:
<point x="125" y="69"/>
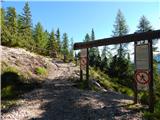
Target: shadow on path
<point x="69" y="103"/>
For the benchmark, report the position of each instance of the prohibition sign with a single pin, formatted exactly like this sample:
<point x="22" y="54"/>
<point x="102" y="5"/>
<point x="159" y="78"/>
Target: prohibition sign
<point x="83" y="61"/>
<point x="142" y="77"/>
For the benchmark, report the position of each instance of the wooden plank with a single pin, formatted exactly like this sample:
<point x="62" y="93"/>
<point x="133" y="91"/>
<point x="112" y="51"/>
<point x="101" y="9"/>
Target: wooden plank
<point x="117" y="40"/>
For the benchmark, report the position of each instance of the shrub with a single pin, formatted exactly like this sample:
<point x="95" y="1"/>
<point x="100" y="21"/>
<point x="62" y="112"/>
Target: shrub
<point x="40" y="71"/>
<point x="7" y="92"/>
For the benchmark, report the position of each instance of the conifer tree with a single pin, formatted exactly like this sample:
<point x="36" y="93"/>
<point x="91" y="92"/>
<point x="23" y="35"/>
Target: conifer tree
<point x="104" y="54"/>
<point x="39" y="38"/>
<point x="58" y="40"/>
<point x="119" y="66"/>
<point x="93" y="52"/>
<point x="71" y="48"/>
<point x="11" y="26"/>
<point x="5" y="35"/>
<point x="120" y="29"/>
<point x="65" y="46"/>
<point x="87" y="38"/>
<point x="144" y="25"/>
<point x="26" y="26"/>
<point x="54" y="44"/>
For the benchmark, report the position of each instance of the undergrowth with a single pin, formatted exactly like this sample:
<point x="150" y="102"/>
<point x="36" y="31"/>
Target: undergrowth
<point x="13" y="85"/>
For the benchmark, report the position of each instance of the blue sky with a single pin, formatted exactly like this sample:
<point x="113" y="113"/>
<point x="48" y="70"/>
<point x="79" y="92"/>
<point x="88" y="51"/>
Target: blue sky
<point x="78" y="18"/>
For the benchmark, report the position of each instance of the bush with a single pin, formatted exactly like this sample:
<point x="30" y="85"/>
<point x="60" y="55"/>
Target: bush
<point x="14" y="83"/>
<point x="7" y="92"/>
<point x="41" y="71"/>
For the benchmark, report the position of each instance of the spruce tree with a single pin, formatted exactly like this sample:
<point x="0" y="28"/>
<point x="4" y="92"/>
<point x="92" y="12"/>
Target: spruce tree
<point x="143" y="26"/>
<point x="87" y="38"/>
<point x="5" y="35"/>
<point x="11" y="25"/>
<point x="58" y="40"/>
<point x="53" y="44"/>
<point x="93" y="52"/>
<point x="71" y="48"/>
<point x="120" y="29"/>
<point x="119" y="65"/>
<point x="39" y="37"/>
<point x="104" y="54"/>
<point x="2" y="20"/>
<point x="104" y="64"/>
<point x="26" y="27"/>
<point x="65" y="46"/>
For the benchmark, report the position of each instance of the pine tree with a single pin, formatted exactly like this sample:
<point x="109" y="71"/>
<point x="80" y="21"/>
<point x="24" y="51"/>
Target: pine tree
<point x="119" y="66"/>
<point x="39" y="37"/>
<point x="21" y="41"/>
<point x="65" y="46"/>
<point x="95" y="49"/>
<point x="46" y="39"/>
<point x="58" y="40"/>
<point x="104" y="64"/>
<point x="2" y="20"/>
<point x="53" y="44"/>
<point x="93" y="52"/>
<point x="104" y="54"/>
<point x="71" y="48"/>
<point x="120" y="29"/>
<point x="5" y="35"/>
<point x="11" y="25"/>
<point x="144" y="26"/>
<point x="87" y="38"/>
<point x="26" y="26"/>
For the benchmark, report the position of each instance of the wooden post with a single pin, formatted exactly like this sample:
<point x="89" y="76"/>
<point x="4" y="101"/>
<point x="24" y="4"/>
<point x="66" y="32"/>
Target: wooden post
<point x="87" y="68"/>
<point x="135" y="83"/>
<point x="81" y="74"/>
<point x="151" y="91"/>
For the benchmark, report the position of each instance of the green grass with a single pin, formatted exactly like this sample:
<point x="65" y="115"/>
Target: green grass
<point x="13" y="84"/>
<point x="41" y="71"/>
<point x="155" y="115"/>
<point x="108" y="83"/>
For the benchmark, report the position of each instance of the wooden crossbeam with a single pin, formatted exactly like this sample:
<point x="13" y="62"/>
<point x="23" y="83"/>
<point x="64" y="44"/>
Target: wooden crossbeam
<point x="150" y="35"/>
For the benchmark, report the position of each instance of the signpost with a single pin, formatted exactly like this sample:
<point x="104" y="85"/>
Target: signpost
<point x="142" y="66"/>
<point x="144" y="71"/>
<point x="143" y="58"/>
<point x="83" y="59"/>
<point x="84" y="65"/>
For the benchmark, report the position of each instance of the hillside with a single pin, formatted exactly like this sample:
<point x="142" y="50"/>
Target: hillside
<point x="57" y="98"/>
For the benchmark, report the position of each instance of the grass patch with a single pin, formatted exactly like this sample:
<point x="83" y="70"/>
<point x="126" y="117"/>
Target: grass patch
<point x="108" y="83"/>
<point x="155" y="115"/>
<point x="41" y="71"/>
<point x="13" y="85"/>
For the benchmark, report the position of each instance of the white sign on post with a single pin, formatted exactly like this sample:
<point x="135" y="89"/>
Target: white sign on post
<point x="83" y="59"/>
<point x="83" y="53"/>
<point x="142" y="56"/>
<point x="142" y="66"/>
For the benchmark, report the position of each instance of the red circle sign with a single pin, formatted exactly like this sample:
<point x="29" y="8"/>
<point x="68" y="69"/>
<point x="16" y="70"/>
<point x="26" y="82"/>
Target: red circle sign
<point x="83" y="61"/>
<point x="142" y="77"/>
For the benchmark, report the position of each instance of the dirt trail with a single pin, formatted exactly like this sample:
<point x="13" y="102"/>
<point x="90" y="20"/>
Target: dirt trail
<point x="59" y="100"/>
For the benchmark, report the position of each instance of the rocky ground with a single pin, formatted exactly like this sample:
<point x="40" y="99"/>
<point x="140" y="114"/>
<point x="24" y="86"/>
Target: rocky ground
<point x="58" y="99"/>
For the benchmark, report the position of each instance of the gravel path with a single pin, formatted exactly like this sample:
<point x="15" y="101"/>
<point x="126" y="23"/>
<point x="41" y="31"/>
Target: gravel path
<point x="59" y="100"/>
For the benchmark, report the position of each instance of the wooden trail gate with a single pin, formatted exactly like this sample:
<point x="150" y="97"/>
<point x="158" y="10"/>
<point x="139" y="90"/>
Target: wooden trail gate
<point x="150" y="35"/>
